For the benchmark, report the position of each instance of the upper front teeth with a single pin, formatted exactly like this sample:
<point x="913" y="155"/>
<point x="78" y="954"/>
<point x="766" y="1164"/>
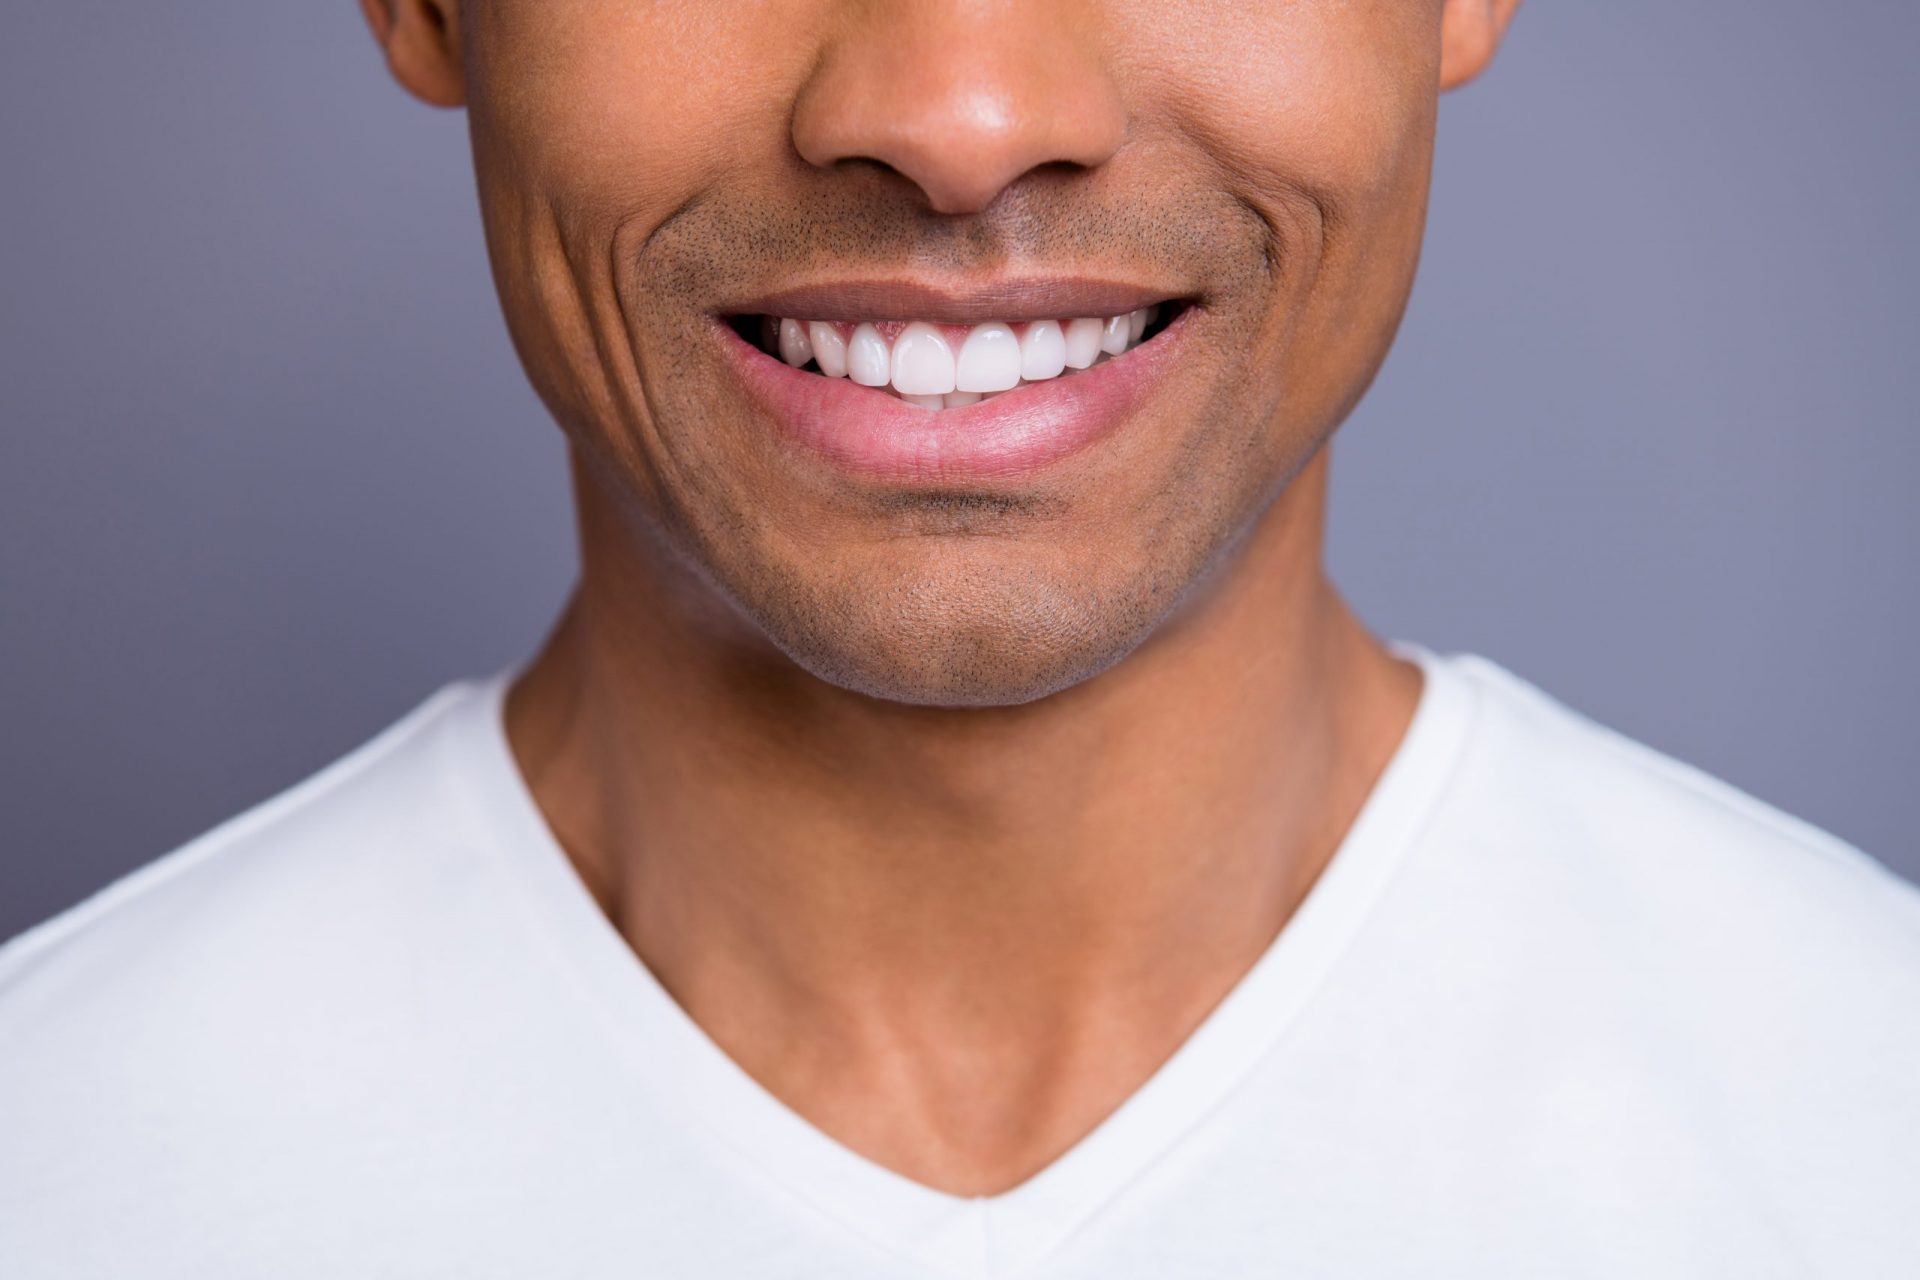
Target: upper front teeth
<point x="922" y="362"/>
<point x="989" y="360"/>
<point x="829" y="348"/>
<point x="931" y="365"/>
<point x="1043" y="351"/>
<point x="869" y="359"/>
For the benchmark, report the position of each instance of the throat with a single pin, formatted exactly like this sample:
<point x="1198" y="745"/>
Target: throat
<point x="955" y="940"/>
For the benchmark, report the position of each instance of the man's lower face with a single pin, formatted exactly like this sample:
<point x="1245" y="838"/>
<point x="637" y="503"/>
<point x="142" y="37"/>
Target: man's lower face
<point x="939" y="441"/>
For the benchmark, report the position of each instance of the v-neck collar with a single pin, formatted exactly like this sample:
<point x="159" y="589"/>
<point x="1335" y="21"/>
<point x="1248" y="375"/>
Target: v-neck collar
<point x="952" y="1235"/>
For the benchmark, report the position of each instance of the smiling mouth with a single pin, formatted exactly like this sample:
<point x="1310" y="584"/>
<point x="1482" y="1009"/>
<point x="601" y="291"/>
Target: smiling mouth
<point x="900" y="382"/>
<point x="933" y="365"/>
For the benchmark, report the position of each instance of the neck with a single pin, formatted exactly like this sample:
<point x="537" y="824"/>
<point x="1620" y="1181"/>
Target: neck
<point x="801" y="864"/>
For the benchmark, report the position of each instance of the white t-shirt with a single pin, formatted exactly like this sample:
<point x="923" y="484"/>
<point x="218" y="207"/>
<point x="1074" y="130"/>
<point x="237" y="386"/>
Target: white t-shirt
<point x="1559" y="1006"/>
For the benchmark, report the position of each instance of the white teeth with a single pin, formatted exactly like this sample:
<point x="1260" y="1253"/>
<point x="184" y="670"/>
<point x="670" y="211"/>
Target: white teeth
<point x="989" y="360"/>
<point x="922" y="368"/>
<point x="1043" y="351"/>
<point x="794" y="347"/>
<point x="1083" y="342"/>
<point x="829" y="348"/>
<point x="922" y="361"/>
<point x="869" y="363"/>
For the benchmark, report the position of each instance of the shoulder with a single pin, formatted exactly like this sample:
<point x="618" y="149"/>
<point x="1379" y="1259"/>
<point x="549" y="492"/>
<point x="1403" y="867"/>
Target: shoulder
<point x="294" y="842"/>
<point x="218" y="954"/>
<point x="296" y="1008"/>
<point x="1725" y="938"/>
<point x="1675" y="978"/>
<point x="1667" y="836"/>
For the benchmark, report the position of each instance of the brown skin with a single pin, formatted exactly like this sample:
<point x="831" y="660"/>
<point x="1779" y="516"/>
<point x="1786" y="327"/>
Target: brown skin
<point x="950" y="812"/>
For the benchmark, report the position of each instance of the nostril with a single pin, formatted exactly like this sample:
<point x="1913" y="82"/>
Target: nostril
<point x="879" y="174"/>
<point x="951" y="181"/>
<point x="960" y="111"/>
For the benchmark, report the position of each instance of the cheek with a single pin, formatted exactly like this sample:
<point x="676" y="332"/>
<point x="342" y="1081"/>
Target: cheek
<point x="1320" y="115"/>
<point x="592" y="122"/>
<point x="1330" y="100"/>
<point x="611" y="110"/>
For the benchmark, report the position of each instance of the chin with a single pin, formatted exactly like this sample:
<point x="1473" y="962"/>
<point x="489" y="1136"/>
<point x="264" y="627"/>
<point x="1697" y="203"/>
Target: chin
<point x="973" y="644"/>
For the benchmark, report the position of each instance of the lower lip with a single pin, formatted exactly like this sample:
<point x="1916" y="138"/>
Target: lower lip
<point x="868" y="431"/>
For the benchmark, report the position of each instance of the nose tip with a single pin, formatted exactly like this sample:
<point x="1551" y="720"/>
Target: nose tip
<point x="962" y="100"/>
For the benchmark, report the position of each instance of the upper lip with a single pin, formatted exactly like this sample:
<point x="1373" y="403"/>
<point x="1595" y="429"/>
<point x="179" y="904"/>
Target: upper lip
<point x="1012" y="299"/>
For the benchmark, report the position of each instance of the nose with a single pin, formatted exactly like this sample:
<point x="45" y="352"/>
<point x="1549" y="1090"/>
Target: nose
<point x="960" y="97"/>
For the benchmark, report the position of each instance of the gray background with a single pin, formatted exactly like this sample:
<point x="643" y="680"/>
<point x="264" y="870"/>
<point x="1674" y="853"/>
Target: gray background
<point x="269" y="473"/>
